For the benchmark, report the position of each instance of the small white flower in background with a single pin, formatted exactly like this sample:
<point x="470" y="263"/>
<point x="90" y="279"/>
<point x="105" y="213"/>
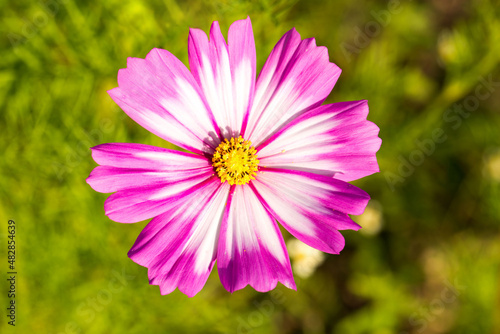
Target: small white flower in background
<point x="492" y="165"/>
<point x="305" y="259"/>
<point x="371" y="220"/>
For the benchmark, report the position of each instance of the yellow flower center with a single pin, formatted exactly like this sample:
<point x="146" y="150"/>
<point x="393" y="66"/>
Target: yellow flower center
<point x="235" y="161"/>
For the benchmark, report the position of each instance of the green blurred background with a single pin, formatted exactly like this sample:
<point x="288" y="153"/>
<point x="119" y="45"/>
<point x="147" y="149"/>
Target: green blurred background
<point x="428" y="258"/>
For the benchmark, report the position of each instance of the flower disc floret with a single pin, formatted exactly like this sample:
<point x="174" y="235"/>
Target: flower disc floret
<point x="235" y="161"/>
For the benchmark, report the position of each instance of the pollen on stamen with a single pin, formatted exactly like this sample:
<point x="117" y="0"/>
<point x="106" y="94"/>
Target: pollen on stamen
<point x="235" y="161"/>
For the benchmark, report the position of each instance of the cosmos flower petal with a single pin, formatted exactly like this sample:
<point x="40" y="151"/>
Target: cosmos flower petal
<point x="140" y="156"/>
<point x="311" y="207"/>
<point x="334" y="139"/>
<point x="225" y="72"/>
<point x="251" y="249"/>
<point x="137" y="204"/>
<point x="145" y="178"/>
<point x="296" y="77"/>
<point x="161" y="95"/>
<point x="106" y="179"/>
<point x="179" y="247"/>
<point x="133" y="166"/>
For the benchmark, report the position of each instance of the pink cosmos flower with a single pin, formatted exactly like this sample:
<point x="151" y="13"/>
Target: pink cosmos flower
<point x="263" y="151"/>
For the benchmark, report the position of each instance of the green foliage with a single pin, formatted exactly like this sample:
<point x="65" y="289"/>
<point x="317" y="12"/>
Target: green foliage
<point x="431" y="265"/>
